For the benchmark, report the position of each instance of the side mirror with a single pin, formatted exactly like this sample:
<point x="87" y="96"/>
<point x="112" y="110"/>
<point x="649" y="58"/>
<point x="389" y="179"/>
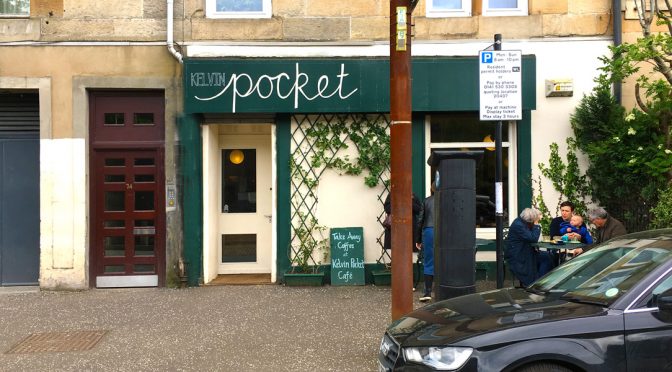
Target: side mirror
<point x="664" y="301"/>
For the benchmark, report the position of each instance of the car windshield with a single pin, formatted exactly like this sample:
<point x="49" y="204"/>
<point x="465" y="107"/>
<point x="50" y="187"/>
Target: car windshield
<point x="606" y="272"/>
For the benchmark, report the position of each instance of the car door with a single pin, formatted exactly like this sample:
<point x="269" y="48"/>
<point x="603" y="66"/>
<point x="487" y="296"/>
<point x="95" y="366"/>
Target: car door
<point x="648" y="332"/>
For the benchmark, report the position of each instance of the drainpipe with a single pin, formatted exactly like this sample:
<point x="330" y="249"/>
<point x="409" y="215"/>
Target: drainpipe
<point x="618" y="40"/>
<point x="169" y="32"/>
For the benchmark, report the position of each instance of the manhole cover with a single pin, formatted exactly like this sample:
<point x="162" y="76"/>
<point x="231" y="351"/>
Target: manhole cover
<point x="58" y="341"/>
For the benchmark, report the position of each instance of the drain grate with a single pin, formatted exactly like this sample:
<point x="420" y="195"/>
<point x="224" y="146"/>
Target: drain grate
<point x="58" y="342"/>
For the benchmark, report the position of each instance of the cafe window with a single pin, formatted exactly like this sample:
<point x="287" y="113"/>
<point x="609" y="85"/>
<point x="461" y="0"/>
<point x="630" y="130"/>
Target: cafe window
<point x="448" y="8"/>
<point x="14" y="8"/>
<point x="465" y="132"/>
<point x="238" y="8"/>
<point x="505" y="7"/>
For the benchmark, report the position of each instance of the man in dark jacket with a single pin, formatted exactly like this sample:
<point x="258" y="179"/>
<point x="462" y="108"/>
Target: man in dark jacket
<point x="566" y="213"/>
<point x="607" y="227"/>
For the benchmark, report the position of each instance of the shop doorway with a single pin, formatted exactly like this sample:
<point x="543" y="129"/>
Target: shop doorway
<point x="245" y="212"/>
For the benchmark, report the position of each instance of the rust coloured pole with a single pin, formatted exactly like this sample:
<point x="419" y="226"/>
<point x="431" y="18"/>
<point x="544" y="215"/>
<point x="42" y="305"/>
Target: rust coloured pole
<point x="400" y="158"/>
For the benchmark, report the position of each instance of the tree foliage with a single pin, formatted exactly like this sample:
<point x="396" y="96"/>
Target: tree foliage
<point x="630" y="152"/>
<point x="621" y="151"/>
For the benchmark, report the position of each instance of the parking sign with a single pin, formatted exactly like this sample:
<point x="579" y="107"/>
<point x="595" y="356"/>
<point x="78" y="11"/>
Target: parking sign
<point x="500" y="85"/>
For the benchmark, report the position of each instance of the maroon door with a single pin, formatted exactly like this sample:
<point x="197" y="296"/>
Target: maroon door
<point x="127" y="190"/>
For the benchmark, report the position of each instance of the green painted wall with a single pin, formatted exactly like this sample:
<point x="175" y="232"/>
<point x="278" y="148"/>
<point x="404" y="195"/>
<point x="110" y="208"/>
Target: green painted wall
<point x="283" y="136"/>
<point x="418" y="155"/>
<point x="190" y="171"/>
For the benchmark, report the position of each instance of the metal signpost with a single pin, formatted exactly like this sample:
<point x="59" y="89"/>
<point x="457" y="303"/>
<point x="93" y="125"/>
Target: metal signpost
<point x="500" y="85"/>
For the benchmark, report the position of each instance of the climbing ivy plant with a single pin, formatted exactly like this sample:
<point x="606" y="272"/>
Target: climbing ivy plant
<point x="319" y="143"/>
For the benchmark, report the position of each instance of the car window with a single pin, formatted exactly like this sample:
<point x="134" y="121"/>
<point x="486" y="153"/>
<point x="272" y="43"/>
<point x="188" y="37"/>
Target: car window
<point x="605" y="273"/>
<point x="650" y="300"/>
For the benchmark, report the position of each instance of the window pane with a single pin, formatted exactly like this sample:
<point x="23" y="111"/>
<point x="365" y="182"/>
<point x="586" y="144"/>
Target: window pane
<point x="143" y="268"/>
<point x="143" y="162"/>
<point x="239" y="181"/>
<point x="240" y="5"/>
<point x="114" y="246"/>
<point x="144" y="223"/>
<point x="239" y="248"/>
<point x="115" y="178"/>
<point x="144" y="245"/>
<point x="114" y="269"/>
<point x="144" y="200"/>
<point x="15" y="7"/>
<point x="114" y="162"/>
<point x="503" y="4"/>
<point x="114" y="201"/>
<point x="143" y="118"/>
<point x="144" y="178"/>
<point x="114" y="119"/>
<point x="111" y="224"/>
<point x="464" y="127"/>
<point x="446" y="4"/>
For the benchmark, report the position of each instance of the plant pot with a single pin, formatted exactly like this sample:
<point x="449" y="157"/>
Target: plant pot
<point x="382" y="277"/>
<point x="304" y="279"/>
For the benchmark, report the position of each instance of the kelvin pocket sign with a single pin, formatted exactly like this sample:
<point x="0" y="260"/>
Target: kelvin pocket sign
<point x="347" y="255"/>
<point x="500" y="84"/>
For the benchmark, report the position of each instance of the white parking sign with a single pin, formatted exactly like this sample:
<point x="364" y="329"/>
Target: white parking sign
<point x="500" y="84"/>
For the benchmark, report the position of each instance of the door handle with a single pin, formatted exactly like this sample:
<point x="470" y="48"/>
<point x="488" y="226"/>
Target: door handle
<point x="270" y="217"/>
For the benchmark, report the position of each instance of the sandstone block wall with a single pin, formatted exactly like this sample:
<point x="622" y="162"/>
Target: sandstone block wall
<point x="293" y="20"/>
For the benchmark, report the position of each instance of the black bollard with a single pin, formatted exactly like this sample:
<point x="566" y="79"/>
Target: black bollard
<point x="455" y="222"/>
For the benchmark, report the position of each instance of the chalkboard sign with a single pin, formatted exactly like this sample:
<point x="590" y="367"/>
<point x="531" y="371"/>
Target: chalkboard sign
<point x="347" y="256"/>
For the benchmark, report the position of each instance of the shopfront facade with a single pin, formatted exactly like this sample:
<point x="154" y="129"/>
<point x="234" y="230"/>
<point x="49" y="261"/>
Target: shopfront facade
<point x="259" y="106"/>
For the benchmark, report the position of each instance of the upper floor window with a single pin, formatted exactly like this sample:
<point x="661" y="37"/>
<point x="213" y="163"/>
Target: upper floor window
<point x="504" y="7"/>
<point x="238" y="8"/>
<point x="14" y="8"/>
<point x="448" y="8"/>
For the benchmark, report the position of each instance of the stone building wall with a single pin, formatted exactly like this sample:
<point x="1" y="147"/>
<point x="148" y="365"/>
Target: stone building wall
<point x="294" y="21"/>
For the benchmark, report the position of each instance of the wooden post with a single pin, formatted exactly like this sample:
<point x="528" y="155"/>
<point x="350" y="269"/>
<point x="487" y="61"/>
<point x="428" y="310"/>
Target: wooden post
<point x="400" y="158"/>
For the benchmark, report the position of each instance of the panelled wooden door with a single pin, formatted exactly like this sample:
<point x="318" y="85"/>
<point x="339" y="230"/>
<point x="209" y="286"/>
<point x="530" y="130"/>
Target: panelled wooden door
<point x="127" y="203"/>
<point x="127" y="189"/>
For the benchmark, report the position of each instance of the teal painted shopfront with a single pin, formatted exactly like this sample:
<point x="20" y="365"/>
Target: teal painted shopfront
<point x="232" y="104"/>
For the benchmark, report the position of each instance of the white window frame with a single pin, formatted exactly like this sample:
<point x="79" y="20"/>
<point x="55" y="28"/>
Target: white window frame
<point x="431" y="12"/>
<point x="510" y="146"/>
<point x="210" y="11"/>
<point x="521" y="10"/>
<point x="16" y="15"/>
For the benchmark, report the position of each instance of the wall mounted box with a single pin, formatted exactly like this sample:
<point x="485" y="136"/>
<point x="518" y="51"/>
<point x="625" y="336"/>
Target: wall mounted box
<point x="559" y="88"/>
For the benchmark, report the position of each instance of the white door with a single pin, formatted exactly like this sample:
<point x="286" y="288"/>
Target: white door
<point x="245" y="204"/>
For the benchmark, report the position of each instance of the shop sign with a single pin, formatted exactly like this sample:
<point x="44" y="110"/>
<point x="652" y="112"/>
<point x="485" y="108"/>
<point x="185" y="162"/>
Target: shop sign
<point x="347" y="255"/>
<point x="334" y="85"/>
<point x="284" y="86"/>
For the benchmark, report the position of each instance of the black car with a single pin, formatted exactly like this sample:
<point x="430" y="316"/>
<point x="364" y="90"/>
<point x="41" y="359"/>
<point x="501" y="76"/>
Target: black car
<point x="609" y="309"/>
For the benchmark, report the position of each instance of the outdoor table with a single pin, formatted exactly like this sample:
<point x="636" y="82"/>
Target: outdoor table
<point x="561" y="248"/>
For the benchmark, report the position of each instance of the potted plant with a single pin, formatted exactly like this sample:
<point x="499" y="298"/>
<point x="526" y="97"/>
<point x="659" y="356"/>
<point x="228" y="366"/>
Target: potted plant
<point x="309" y="250"/>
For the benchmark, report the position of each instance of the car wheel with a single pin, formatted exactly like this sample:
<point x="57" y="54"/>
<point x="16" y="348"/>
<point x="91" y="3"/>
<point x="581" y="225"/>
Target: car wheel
<point x="544" y="367"/>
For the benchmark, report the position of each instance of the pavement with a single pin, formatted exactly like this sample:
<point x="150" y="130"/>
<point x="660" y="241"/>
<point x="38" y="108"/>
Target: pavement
<point x="211" y="328"/>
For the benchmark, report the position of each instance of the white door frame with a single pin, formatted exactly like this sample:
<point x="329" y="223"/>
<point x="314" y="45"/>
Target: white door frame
<point x="211" y="193"/>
